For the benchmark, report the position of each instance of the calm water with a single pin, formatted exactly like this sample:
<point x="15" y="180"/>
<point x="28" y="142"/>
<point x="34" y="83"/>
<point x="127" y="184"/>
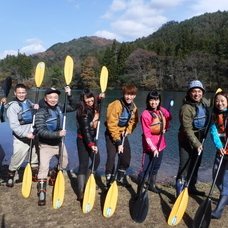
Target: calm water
<point x="170" y="160"/>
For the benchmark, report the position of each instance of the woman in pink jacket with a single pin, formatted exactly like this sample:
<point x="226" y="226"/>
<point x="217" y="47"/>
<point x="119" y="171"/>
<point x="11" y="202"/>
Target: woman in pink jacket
<point x="155" y="121"/>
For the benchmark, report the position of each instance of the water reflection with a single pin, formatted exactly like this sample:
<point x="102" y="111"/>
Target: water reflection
<point x="170" y="160"/>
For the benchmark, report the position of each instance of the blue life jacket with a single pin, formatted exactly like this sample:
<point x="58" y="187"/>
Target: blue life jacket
<point x="25" y="116"/>
<point x="201" y="118"/>
<point x="55" y="120"/>
<point x="125" y="116"/>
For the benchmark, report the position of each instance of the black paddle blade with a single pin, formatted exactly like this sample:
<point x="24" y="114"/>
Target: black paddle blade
<point x="202" y="217"/>
<point x="140" y="208"/>
<point x="2" y="114"/>
<point x="7" y="85"/>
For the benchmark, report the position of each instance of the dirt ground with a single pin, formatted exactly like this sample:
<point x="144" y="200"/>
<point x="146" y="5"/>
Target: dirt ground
<point x="16" y="211"/>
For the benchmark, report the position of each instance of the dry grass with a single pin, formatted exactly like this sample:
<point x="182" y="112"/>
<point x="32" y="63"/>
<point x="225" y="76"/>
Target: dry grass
<point x="16" y="211"/>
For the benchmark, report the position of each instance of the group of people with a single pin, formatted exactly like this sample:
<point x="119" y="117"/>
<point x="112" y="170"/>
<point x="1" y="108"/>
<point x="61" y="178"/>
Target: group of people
<point x="40" y="126"/>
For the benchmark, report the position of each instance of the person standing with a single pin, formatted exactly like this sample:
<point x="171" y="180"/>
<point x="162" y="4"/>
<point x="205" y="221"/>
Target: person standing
<point x="121" y="120"/>
<point x="87" y="115"/>
<point x="219" y="136"/>
<point x="20" y="116"/>
<point x="49" y="126"/>
<point x="193" y="117"/>
<point x="155" y="122"/>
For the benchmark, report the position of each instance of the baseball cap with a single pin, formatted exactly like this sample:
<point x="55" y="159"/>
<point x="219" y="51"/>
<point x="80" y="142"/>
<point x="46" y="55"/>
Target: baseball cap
<point x="52" y="90"/>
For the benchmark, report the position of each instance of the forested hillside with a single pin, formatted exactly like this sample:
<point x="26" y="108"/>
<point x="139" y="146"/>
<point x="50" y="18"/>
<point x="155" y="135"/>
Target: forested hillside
<point x="167" y="59"/>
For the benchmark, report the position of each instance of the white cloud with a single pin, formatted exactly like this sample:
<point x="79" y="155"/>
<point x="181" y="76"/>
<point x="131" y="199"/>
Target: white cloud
<point x="108" y="35"/>
<point x="202" y="6"/>
<point x="131" y="19"/>
<point x="34" y="46"/>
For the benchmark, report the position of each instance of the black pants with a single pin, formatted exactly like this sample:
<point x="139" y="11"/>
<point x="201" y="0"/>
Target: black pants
<point x="125" y="157"/>
<point x="188" y="156"/>
<point x="84" y="153"/>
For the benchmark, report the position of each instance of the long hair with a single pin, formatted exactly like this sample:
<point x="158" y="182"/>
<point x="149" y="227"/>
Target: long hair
<point x="82" y="107"/>
<point x="223" y="93"/>
<point x="154" y="94"/>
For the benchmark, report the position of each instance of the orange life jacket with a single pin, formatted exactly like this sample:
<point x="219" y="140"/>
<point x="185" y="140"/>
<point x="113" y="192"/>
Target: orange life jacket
<point x="220" y="124"/>
<point x="158" y="122"/>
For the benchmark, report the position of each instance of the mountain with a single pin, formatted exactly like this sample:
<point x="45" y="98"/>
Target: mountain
<point x="78" y="49"/>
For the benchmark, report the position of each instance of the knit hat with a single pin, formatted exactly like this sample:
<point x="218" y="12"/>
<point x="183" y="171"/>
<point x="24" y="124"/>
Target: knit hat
<point x="52" y="90"/>
<point x="195" y="84"/>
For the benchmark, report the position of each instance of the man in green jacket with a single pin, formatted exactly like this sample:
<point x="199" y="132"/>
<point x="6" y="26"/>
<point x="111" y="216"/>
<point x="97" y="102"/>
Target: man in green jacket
<point x="193" y="118"/>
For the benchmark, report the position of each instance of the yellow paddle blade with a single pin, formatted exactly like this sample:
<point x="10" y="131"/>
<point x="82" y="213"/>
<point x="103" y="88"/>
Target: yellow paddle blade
<point x="218" y="90"/>
<point x="179" y="208"/>
<point x="39" y="74"/>
<point x="59" y="190"/>
<point x="27" y="181"/>
<point x="111" y="200"/>
<point x="89" y="195"/>
<point x="104" y="78"/>
<point x="68" y="69"/>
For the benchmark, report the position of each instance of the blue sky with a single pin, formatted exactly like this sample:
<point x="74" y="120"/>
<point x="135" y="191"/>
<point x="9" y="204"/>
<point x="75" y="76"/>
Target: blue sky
<point x="33" y="26"/>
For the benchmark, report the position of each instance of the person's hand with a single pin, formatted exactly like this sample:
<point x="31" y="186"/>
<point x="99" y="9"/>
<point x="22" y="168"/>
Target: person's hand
<point x="36" y="106"/>
<point x="200" y="148"/>
<point x="120" y="149"/>
<point x="68" y="90"/>
<point x="102" y="95"/>
<point x="62" y="133"/>
<point x="30" y="135"/>
<point x="221" y="152"/>
<point x="3" y="100"/>
<point x="94" y="149"/>
<point x="156" y="153"/>
<point x="124" y="133"/>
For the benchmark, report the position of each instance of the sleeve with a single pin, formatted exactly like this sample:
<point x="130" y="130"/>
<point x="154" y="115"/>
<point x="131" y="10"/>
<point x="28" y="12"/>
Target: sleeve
<point x="84" y="124"/>
<point x="146" y="120"/>
<point x="12" y="114"/>
<point x="186" y="119"/>
<point x="71" y="105"/>
<point x="114" y="110"/>
<point x="215" y="137"/>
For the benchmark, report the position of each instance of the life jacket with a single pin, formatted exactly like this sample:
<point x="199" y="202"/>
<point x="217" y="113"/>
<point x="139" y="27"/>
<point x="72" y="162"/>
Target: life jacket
<point x="158" y="122"/>
<point x="201" y="118"/>
<point x="25" y="116"/>
<point x="125" y="116"/>
<point x="221" y="125"/>
<point x="94" y="122"/>
<point x="55" y="120"/>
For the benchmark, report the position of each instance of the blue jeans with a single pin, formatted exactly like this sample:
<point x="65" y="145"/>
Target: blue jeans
<point x="222" y="179"/>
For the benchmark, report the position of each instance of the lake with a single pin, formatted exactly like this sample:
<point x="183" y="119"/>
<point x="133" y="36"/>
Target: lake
<point x="170" y="161"/>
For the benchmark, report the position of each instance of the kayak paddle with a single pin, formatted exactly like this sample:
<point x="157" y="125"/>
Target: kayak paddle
<point x="59" y="188"/>
<point x="27" y="175"/>
<point x="90" y="189"/>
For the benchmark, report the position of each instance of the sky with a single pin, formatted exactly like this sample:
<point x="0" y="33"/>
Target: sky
<point x="29" y="26"/>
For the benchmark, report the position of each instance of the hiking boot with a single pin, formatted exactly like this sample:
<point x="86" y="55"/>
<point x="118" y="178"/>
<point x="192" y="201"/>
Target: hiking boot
<point x="35" y="171"/>
<point x="10" y="179"/>
<point x="122" y="180"/>
<point x="81" y="179"/>
<point x="41" y="191"/>
<point x="180" y="183"/>
<point x="192" y="190"/>
<point x="53" y="176"/>
<point x="152" y="184"/>
<point x="109" y="180"/>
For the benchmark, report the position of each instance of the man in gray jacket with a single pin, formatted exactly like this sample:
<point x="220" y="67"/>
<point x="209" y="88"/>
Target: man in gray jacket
<point x="20" y="115"/>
